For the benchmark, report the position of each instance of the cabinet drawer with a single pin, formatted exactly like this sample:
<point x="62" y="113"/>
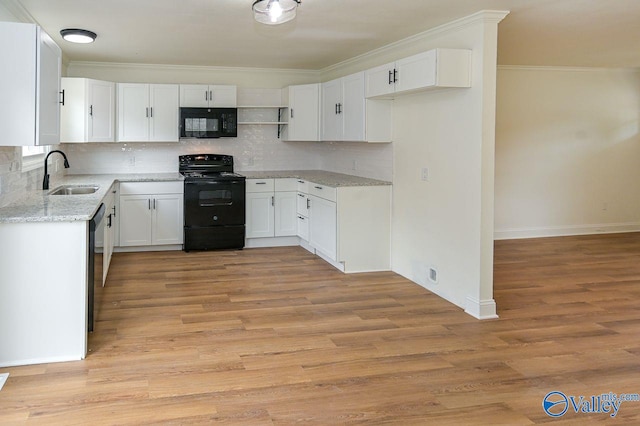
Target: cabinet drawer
<point x="260" y="185"/>
<point x="302" y="204"/>
<point x="132" y="188"/>
<point x="303" y="186"/>
<point x="286" y="184"/>
<point x="303" y="227"/>
<point x="322" y="191"/>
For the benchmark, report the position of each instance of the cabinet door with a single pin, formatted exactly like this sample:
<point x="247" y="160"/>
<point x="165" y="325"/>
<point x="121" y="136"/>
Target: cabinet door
<point x="285" y="214"/>
<point x="168" y="225"/>
<point x="379" y="80"/>
<point x="74" y="114"/>
<point x="194" y="95"/>
<point x="352" y="110"/>
<point x="331" y="117"/>
<point x="304" y="113"/>
<point x="135" y="220"/>
<point x="164" y="112"/>
<point x="48" y="96"/>
<point x="260" y="211"/>
<point x="133" y="112"/>
<point x="416" y="72"/>
<point x="101" y="110"/>
<point x="223" y="96"/>
<point x="322" y="226"/>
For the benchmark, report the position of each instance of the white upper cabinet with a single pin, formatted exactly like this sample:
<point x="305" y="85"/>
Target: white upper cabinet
<point x="304" y="113"/>
<point x="148" y="112"/>
<point x="343" y="109"/>
<point x="348" y="116"/>
<point x="30" y="84"/>
<point x="437" y="68"/>
<point x="208" y="96"/>
<point x="88" y="110"/>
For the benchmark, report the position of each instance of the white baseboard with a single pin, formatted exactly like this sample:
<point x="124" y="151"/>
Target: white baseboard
<point x="271" y="242"/>
<point x="171" y="247"/>
<point x="563" y="231"/>
<point x="481" y="309"/>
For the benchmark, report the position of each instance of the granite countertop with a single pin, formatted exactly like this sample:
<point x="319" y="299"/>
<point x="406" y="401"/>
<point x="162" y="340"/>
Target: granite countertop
<point x="316" y="176"/>
<point x="38" y="206"/>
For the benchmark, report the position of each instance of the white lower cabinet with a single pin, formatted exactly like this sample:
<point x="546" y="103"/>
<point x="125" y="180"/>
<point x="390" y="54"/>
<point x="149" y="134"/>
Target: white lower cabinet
<point x="271" y="208"/>
<point x="109" y="230"/>
<point x="350" y="227"/>
<point x="322" y="226"/>
<point x="151" y="213"/>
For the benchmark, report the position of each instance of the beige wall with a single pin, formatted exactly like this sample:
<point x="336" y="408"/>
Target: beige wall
<point x="567" y="151"/>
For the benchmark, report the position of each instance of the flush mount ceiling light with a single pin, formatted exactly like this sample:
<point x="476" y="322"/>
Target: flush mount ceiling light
<point x="273" y="12"/>
<point x="75" y="35"/>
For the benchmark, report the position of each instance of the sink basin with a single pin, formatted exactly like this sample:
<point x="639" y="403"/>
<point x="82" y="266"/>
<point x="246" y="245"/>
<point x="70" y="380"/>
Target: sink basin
<point x="74" y="190"/>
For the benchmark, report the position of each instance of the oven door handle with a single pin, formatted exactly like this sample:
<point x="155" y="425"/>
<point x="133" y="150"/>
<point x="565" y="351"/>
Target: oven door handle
<point x="213" y="182"/>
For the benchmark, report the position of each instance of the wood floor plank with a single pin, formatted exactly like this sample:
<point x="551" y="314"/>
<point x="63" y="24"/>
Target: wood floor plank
<point x="276" y="337"/>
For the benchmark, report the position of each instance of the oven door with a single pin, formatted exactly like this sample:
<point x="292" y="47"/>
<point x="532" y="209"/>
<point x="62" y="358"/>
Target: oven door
<point x="210" y="202"/>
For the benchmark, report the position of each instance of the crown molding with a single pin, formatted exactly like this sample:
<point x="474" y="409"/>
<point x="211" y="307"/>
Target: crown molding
<point x="18" y="10"/>
<point x="564" y="69"/>
<point x="124" y="65"/>
<point x="484" y="16"/>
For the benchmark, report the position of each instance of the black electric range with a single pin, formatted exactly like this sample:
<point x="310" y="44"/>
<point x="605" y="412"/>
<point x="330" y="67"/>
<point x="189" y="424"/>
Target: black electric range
<point x="214" y="202"/>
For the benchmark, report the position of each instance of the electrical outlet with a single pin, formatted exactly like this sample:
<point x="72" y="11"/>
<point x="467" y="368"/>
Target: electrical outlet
<point x="424" y="174"/>
<point x="433" y="275"/>
<point x="132" y="160"/>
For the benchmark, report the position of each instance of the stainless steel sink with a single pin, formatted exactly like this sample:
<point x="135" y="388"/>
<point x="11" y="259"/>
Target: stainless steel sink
<point x="74" y="190"/>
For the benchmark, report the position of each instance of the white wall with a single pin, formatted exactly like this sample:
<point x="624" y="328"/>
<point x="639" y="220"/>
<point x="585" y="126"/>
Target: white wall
<point x="446" y="223"/>
<point x="567" y="150"/>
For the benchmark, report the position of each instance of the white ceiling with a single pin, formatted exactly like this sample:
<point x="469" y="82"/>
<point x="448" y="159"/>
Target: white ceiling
<point x="592" y="33"/>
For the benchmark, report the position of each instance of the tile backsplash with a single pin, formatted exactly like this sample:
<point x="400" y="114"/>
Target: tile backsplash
<point x="257" y="147"/>
<point x="13" y="182"/>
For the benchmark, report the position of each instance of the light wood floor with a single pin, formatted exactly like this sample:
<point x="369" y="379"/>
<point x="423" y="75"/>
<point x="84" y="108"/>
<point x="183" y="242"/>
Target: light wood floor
<point x="277" y="336"/>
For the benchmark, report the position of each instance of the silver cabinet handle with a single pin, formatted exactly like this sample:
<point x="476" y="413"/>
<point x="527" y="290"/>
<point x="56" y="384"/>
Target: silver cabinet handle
<point x="318" y="187"/>
<point x="210" y="95"/>
<point x="300" y="181"/>
<point x="206" y="95"/>
<point x="308" y="203"/>
<point x="301" y="195"/>
<point x="154" y="203"/>
<point x="291" y="112"/>
<point x="91" y="111"/>
<point x="273" y="200"/>
<point x="147" y="112"/>
<point x="149" y="202"/>
<point x="261" y="183"/>
<point x="151" y="112"/>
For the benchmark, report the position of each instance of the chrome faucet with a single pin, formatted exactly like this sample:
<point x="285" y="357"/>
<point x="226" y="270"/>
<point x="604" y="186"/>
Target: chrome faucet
<point x="45" y="181"/>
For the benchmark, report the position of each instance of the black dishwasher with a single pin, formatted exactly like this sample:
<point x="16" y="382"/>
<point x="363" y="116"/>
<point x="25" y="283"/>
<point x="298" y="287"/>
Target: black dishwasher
<point x="94" y="266"/>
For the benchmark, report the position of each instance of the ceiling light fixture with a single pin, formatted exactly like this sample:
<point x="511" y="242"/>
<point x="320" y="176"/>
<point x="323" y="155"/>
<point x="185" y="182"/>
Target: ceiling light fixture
<point x="274" y="12"/>
<point x="75" y="35"/>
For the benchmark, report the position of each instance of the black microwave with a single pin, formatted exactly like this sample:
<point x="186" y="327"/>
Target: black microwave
<point x="208" y="122"/>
